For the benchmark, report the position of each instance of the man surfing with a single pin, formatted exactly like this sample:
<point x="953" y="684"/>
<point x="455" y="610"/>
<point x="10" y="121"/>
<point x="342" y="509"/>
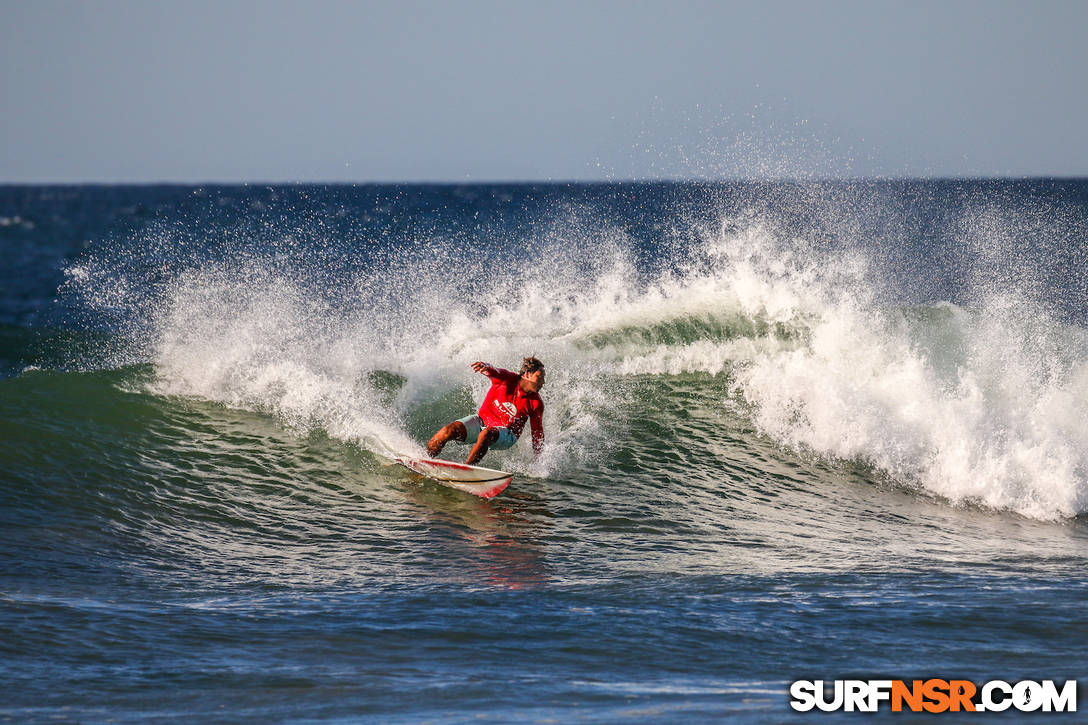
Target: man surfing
<point x="511" y="401"/>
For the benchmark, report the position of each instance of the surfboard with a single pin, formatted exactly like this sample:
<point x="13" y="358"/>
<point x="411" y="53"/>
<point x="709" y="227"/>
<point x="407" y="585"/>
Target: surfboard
<point x="482" y="482"/>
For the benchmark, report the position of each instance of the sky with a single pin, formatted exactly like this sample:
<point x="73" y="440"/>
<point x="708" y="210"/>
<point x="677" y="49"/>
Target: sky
<point x="291" y="91"/>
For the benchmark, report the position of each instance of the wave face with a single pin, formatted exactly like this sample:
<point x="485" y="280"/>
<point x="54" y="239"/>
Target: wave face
<point x="772" y="410"/>
<point x="803" y="300"/>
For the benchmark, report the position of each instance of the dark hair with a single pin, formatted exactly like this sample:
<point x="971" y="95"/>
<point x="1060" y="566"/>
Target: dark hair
<point x="531" y="365"/>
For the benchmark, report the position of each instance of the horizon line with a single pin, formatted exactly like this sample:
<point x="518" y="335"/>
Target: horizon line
<point x="561" y="182"/>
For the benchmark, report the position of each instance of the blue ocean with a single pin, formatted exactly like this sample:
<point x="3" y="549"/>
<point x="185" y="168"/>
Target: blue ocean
<point x="794" y="430"/>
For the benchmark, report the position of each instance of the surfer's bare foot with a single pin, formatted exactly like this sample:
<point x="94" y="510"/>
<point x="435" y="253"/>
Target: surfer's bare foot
<point x="455" y="430"/>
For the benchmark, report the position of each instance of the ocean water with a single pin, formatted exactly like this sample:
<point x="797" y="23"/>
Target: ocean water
<point x="794" y="431"/>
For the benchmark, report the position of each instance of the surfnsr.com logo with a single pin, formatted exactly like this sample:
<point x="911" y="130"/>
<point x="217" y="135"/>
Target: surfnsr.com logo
<point x="933" y="695"/>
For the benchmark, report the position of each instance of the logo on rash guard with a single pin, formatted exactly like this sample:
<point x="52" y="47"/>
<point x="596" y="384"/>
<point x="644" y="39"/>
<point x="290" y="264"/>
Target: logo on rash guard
<point x="509" y="408"/>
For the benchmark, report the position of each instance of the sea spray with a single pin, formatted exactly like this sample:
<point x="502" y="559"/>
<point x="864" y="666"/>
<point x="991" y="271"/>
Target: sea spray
<point x="795" y="309"/>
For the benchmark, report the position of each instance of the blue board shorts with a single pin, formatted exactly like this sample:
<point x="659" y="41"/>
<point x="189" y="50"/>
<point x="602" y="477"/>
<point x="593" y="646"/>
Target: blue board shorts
<point x="473" y="426"/>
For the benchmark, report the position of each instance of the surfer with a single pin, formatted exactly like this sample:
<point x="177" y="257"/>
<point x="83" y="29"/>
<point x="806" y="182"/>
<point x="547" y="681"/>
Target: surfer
<point x="511" y="401"/>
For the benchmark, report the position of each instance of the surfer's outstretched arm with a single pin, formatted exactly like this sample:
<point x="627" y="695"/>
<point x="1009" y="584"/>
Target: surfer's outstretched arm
<point x="484" y="369"/>
<point x="493" y="372"/>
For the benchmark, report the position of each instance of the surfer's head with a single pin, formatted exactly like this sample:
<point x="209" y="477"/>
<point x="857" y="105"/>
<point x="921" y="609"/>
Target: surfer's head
<point x="532" y="374"/>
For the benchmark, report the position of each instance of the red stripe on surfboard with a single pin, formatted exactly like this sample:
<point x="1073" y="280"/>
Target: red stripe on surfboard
<point x="494" y="490"/>
<point x="446" y="464"/>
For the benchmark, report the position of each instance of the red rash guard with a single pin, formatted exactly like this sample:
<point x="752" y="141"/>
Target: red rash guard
<point x="508" y="406"/>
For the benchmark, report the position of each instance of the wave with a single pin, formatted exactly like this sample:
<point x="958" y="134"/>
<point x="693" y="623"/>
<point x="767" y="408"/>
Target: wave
<point x="106" y="476"/>
<point x="976" y="404"/>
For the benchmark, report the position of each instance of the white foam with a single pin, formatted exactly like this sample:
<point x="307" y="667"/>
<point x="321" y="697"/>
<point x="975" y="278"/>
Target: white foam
<point x="974" y="406"/>
<point x="259" y="343"/>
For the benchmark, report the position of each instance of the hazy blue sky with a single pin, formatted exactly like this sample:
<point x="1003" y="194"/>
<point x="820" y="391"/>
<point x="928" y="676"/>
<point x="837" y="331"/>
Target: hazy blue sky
<point x="279" y="90"/>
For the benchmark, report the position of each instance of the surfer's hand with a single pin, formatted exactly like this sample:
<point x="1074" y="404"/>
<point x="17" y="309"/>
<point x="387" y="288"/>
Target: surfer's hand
<point x="481" y="367"/>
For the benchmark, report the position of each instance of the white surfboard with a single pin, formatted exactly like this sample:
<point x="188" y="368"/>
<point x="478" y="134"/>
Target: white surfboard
<point x="482" y="482"/>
